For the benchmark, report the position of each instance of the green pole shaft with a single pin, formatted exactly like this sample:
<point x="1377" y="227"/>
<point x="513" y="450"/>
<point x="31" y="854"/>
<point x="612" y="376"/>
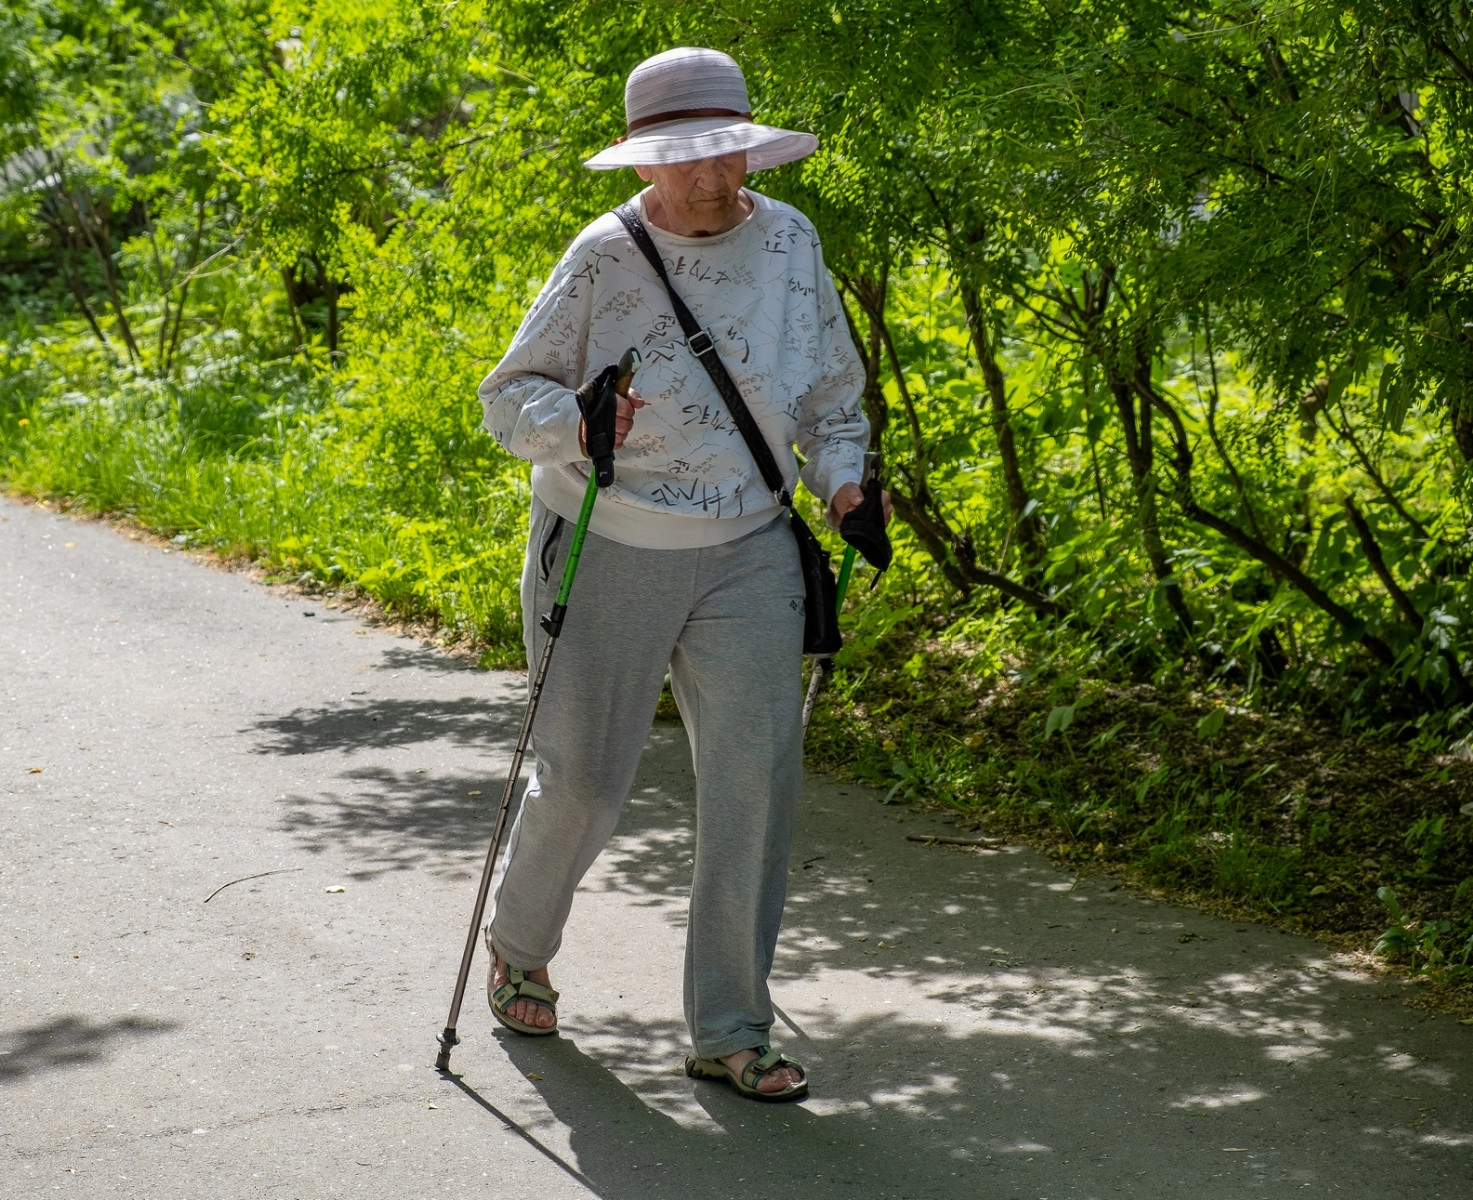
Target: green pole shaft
<point x="570" y="568"/>
<point x="846" y="569"/>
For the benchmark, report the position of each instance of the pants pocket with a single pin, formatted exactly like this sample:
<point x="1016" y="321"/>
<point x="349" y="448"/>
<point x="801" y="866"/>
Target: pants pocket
<point x="548" y="554"/>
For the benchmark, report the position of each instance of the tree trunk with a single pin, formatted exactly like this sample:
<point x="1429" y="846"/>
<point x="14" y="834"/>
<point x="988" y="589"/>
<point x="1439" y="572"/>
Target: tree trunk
<point x="75" y="284"/>
<point x="98" y="236"/>
<point x="953" y="552"/>
<point x="1398" y="595"/>
<point x="1140" y="455"/>
<point x="1462" y="423"/>
<point x="870" y="293"/>
<point x="199" y="233"/>
<point x="332" y="320"/>
<point x="1027" y="525"/>
<point x="293" y="305"/>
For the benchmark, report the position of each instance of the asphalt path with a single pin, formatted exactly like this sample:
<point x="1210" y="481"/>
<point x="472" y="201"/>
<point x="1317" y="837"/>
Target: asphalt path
<point x="975" y="1023"/>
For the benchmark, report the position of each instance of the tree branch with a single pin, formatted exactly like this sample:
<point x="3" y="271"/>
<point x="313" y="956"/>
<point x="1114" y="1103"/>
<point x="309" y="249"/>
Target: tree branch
<point x="1402" y="601"/>
<point x="1257" y="549"/>
<point x="1348" y="435"/>
<point x="1217" y="441"/>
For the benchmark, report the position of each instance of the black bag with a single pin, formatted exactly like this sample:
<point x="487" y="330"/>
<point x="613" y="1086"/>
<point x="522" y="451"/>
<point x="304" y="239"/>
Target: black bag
<point x="821" y="636"/>
<point x="864" y="529"/>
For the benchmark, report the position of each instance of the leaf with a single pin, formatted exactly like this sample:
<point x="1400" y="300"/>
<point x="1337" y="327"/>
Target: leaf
<point x="1388" y="897"/>
<point x="1058" y="720"/>
<point x="1211" y="725"/>
<point x="1394" y="397"/>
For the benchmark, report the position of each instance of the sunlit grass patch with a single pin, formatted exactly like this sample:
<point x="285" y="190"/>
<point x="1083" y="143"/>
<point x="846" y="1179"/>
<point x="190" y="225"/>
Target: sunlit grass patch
<point x="279" y="467"/>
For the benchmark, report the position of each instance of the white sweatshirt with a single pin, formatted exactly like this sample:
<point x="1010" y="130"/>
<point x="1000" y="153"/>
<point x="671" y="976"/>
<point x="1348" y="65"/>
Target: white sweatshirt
<point x="684" y="476"/>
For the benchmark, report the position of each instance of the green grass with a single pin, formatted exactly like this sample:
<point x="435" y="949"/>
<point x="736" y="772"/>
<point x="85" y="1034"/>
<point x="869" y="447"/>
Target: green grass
<point x="312" y="485"/>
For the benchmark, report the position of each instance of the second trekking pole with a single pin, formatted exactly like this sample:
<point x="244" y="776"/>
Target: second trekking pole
<point x="863" y="531"/>
<point x="598" y="438"/>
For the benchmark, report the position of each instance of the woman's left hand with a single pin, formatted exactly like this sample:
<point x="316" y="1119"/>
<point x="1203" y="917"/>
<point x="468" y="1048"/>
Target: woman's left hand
<point x="848" y="498"/>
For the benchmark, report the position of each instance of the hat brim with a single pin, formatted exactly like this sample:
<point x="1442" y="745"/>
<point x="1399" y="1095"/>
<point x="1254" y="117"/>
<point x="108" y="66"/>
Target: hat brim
<point x="706" y="137"/>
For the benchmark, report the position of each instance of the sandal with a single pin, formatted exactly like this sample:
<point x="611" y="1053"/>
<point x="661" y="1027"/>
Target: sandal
<point x="519" y="987"/>
<point x="767" y="1060"/>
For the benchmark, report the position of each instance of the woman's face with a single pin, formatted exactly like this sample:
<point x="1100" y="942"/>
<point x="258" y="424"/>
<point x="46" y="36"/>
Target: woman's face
<point x="700" y="197"/>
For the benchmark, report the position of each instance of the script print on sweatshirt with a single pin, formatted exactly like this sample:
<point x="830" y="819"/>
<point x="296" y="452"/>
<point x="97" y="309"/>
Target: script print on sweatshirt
<point x="763" y="293"/>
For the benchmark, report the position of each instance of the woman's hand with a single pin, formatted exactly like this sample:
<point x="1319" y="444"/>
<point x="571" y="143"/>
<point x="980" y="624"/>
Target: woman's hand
<point x="848" y="498"/>
<point x="623" y="421"/>
<point x="624" y="416"/>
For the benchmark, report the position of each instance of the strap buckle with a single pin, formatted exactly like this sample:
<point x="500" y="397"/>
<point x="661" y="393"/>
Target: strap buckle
<point x="700" y="343"/>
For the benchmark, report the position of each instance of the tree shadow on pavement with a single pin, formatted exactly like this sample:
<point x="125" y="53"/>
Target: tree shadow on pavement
<point x="401" y="656"/>
<point x="375" y="724"/>
<point x="978" y="1023"/>
<point x="665" y="1135"/>
<point x="905" y="1109"/>
<point x="67" y="1042"/>
<point x="390" y="819"/>
<point x="385" y="820"/>
<point x="975" y="1022"/>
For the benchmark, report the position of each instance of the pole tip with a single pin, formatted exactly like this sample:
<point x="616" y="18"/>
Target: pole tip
<point x="448" y="1041"/>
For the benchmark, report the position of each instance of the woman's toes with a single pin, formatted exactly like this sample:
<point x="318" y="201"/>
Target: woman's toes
<point x="528" y="1013"/>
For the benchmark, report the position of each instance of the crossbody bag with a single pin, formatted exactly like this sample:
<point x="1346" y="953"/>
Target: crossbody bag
<point x="821" y="635"/>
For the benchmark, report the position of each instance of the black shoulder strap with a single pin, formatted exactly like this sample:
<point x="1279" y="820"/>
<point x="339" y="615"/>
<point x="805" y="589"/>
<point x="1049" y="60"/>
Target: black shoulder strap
<point x="700" y="344"/>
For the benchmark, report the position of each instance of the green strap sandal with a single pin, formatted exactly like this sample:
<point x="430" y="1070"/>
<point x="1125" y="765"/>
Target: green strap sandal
<point x="767" y="1060"/>
<point x="519" y="987"/>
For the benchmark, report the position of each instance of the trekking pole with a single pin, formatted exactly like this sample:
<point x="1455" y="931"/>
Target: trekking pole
<point x="877" y="552"/>
<point x="824" y="667"/>
<point x="598" y="422"/>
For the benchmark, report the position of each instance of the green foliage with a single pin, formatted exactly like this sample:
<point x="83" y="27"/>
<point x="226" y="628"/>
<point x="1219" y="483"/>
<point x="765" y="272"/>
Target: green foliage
<point x="1165" y="310"/>
<point x="1420" y="943"/>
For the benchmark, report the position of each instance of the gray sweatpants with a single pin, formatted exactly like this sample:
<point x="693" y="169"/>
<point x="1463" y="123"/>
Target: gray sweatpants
<point x="728" y="620"/>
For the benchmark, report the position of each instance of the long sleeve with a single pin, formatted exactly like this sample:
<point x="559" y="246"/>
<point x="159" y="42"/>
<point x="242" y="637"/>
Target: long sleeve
<point x="833" y="433"/>
<point x="528" y="400"/>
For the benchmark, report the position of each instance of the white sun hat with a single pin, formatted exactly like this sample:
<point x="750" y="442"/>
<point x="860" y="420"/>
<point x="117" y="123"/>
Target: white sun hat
<point x="690" y="103"/>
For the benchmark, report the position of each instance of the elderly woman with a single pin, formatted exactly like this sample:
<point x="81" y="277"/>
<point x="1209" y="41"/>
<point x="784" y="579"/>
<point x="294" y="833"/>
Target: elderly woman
<point x="688" y="565"/>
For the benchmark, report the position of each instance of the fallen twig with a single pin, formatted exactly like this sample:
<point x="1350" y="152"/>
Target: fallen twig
<point x="243" y="878"/>
<point x="937" y="839"/>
